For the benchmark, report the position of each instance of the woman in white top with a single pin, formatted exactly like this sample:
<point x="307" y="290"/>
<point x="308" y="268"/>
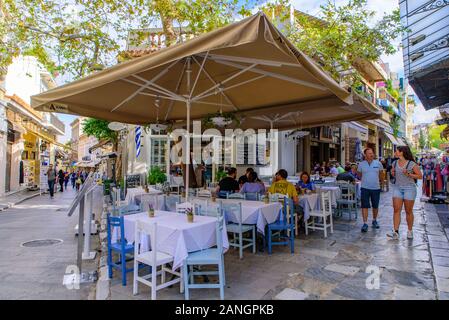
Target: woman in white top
<point x="405" y="170"/>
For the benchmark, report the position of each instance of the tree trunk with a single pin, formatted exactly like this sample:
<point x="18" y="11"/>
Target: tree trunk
<point x="167" y="11"/>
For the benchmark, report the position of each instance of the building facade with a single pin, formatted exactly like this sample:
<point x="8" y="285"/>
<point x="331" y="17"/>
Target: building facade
<point x="29" y="140"/>
<point x="426" y="49"/>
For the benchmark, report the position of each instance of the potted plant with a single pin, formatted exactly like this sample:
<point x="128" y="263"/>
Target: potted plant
<point x="150" y="211"/>
<point x="220" y="174"/>
<point x="156" y="176"/>
<point x="189" y="214"/>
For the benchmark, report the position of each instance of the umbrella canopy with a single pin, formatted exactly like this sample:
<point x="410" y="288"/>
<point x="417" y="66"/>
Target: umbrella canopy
<point x="247" y="67"/>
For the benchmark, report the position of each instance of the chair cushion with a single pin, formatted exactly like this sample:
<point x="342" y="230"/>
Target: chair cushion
<point x="161" y="258"/>
<point x="117" y="247"/>
<point x="211" y="256"/>
<point x="233" y="227"/>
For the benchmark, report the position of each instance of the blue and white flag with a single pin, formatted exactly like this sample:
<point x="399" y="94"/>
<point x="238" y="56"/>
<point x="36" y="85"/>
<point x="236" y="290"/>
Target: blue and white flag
<point x="137" y="139"/>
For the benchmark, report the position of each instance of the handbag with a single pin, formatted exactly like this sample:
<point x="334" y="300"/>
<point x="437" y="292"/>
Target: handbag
<point x="445" y="171"/>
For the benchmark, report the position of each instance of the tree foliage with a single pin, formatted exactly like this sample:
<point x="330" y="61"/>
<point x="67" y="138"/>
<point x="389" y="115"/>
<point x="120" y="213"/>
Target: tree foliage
<point x="435" y="136"/>
<point x="76" y="37"/>
<point x="422" y="140"/>
<point x="99" y="129"/>
<point x="341" y="36"/>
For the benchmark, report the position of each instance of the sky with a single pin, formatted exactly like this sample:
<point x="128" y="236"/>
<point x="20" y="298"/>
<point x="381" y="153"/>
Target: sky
<point x="313" y="7"/>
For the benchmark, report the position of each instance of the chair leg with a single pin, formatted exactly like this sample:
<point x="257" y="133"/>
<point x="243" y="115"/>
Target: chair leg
<point x="306" y="224"/>
<point x="240" y="245"/>
<point x="325" y="226"/>
<point x="269" y="241"/>
<point x="181" y="282"/>
<point x="123" y="265"/>
<point x="110" y="264"/>
<point x="292" y="244"/>
<point x="220" y="279"/>
<point x="136" y="274"/>
<point x="332" y="224"/>
<point x="254" y="239"/>
<point x="153" y="282"/>
<point x="186" y="281"/>
<point x="223" y="268"/>
<point x="191" y="274"/>
<point x="163" y="274"/>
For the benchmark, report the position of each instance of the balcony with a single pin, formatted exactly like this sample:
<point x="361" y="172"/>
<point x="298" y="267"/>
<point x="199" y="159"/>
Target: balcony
<point x="53" y="123"/>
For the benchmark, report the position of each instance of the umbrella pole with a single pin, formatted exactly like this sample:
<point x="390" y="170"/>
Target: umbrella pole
<point x="188" y="152"/>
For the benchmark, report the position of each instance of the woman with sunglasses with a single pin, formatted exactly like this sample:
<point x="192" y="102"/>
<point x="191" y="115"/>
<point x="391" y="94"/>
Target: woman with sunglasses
<point x="405" y="170"/>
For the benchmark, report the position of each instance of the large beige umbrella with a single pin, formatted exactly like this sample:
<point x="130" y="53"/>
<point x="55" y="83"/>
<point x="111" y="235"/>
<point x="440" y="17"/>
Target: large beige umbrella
<point x="247" y="67"/>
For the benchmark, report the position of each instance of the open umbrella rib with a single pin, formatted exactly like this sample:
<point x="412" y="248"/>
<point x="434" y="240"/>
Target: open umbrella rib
<point x="271" y="63"/>
<point x="247" y="68"/>
<point x="198" y="75"/>
<point x="274" y="75"/>
<point x="147" y="93"/>
<point x="156" y="86"/>
<point x="178" y="85"/>
<point x="215" y="83"/>
<point x="146" y="84"/>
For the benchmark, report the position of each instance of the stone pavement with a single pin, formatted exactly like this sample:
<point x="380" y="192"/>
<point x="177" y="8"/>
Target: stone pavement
<point x="343" y="266"/>
<point x="15" y="198"/>
<point x="37" y="272"/>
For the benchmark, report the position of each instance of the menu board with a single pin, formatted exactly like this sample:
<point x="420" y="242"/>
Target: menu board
<point x="133" y="181"/>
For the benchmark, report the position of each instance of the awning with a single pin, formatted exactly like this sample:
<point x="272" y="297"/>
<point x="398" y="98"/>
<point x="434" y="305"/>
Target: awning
<point x="100" y="144"/>
<point x="396" y="141"/>
<point x="361" y="129"/>
<point x="249" y="68"/>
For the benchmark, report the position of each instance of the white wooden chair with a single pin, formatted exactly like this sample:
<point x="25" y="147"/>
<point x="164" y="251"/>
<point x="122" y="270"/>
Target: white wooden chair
<point x="154" y="259"/>
<point x="324" y="213"/>
<point x="204" y="193"/>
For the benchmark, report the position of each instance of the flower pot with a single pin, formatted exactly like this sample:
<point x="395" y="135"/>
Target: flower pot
<point x="151" y="213"/>
<point x="190" y="218"/>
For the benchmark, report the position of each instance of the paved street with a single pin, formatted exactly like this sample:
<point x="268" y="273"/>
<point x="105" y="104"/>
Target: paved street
<point x="37" y="272"/>
<point x="335" y="268"/>
<point x="332" y="268"/>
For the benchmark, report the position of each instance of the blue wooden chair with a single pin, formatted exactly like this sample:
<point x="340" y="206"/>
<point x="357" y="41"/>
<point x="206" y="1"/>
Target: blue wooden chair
<point x="212" y="256"/>
<point x="238" y="229"/>
<point x="121" y="247"/>
<point x="285" y="225"/>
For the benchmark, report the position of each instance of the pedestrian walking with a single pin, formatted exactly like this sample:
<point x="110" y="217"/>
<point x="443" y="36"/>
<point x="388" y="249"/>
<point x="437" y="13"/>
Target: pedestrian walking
<point x="51" y="175"/>
<point x="406" y="172"/>
<point x="66" y="179"/>
<point x="369" y="171"/>
<point x="73" y="179"/>
<point x="61" y="180"/>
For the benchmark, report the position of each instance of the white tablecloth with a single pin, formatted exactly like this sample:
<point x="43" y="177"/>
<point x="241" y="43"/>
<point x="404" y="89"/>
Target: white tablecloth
<point x="308" y="202"/>
<point x="254" y="212"/>
<point x="133" y="192"/>
<point x="175" y="236"/>
<point x="257" y="212"/>
<point x="157" y="200"/>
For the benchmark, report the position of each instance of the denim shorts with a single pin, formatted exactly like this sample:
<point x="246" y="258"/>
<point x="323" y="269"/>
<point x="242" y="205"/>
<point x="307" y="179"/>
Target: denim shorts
<point x="404" y="192"/>
<point x="367" y="195"/>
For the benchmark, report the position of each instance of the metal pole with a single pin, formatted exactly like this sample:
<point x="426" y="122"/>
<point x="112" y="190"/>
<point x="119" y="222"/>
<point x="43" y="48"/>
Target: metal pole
<point x="167" y="158"/>
<point x="79" y="259"/>
<point x="188" y="103"/>
<point x="87" y="255"/>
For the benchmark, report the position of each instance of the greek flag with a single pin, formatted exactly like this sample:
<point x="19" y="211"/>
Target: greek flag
<point x="137" y="139"/>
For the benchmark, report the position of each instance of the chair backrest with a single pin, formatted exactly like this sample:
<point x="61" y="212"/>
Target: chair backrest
<point x="233" y="210"/>
<point x="147" y="229"/>
<point x="223" y="194"/>
<point x="219" y="234"/>
<point x="277" y="197"/>
<point x="326" y="206"/>
<point x="200" y="205"/>
<point x="129" y="209"/>
<point x="204" y="193"/>
<point x="171" y="201"/>
<point x="252" y="196"/>
<point x="235" y="195"/>
<point x="116" y="222"/>
<point x="182" y="207"/>
<point x="288" y="211"/>
<point x="213" y="184"/>
<point x="347" y="191"/>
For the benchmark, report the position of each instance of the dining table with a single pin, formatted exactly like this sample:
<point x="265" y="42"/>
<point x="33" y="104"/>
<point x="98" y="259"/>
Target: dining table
<point x="253" y="212"/>
<point x="131" y="193"/>
<point x="175" y="235"/>
<point x="335" y="192"/>
<point x="309" y="202"/>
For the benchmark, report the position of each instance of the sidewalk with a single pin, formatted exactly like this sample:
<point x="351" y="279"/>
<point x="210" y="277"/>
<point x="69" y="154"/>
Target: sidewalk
<point x="347" y="265"/>
<point x="36" y="271"/>
<point x="16" y="198"/>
